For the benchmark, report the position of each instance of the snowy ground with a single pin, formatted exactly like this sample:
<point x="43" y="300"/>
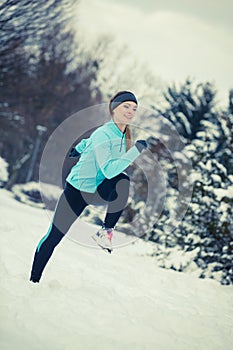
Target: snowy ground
<point x="88" y="299"/>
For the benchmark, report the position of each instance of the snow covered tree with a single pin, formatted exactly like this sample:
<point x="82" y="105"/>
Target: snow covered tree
<point x="208" y="224"/>
<point x="187" y="105"/>
<point x="230" y="108"/>
<point x="224" y="149"/>
<point x="3" y="171"/>
<point x="206" y="232"/>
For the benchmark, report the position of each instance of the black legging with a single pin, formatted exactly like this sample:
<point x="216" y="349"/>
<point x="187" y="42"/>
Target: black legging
<point x="113" y="192"/>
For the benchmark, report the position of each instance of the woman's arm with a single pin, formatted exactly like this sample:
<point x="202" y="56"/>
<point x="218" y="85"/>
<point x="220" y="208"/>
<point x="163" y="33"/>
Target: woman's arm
<point x="76" y="151"/>
<point x="109" y="166"/>
<point x="81" y="145"/>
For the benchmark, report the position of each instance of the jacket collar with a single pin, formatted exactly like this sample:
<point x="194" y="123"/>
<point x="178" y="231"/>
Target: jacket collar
<point x="115" y="128"/>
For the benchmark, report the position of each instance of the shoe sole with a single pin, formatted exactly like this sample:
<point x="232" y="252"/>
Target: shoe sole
<point x="104" y="248"/>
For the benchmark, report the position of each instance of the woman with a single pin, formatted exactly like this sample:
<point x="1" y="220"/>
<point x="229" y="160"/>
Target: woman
<point x="97" y="178"/>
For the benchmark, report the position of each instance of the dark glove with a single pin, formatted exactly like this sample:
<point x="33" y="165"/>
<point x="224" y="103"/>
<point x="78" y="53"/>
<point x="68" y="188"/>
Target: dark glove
<point x="141" y="145"/>
<point x="73" y="153"/>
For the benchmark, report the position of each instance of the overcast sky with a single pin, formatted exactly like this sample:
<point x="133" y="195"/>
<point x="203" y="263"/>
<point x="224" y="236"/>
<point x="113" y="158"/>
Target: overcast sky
<point x="176" y="39"/>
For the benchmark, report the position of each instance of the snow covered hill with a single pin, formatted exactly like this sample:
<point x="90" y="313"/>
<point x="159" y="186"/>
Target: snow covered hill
<point x="88" y="299"/>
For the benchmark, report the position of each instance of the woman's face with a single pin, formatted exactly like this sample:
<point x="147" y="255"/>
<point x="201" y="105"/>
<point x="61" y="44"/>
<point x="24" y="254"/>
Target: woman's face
<point x="124" y="113"/>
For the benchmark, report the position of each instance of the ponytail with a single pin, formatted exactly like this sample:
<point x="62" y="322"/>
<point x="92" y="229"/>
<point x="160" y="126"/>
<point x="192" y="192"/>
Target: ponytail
<point x="128" y="138"/>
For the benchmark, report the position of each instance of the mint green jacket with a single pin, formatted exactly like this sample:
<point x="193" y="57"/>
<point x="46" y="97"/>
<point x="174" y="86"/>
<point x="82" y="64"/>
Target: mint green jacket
<point x="103" y="156"/>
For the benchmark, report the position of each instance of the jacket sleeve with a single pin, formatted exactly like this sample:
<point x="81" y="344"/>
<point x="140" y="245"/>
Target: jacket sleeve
<point x="81" y="145"/>
<point x="111" y="167"/>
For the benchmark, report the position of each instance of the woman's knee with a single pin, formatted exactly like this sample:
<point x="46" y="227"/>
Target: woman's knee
<point x="122" y="176"/>
<point x="112" y="187"/>
<point x="121" y="182"/>
<point x="122" y="185"/>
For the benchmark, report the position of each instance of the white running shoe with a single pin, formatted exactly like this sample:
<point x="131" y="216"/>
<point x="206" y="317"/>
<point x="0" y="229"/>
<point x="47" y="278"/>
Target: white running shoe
<point x="104" y="238"/>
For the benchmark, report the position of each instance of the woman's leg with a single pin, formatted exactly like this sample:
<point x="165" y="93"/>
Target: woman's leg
<point x="70" y="205"/>
<point x="116" y="192"/>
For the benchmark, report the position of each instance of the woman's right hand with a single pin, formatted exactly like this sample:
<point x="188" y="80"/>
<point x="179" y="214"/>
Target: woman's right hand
<point x="73" y="153"/>
<point x="141" y="145"/>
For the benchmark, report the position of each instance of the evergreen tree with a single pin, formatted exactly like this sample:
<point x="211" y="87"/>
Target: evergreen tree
<point x="187" y="105"/>
<point x="208" y="224"/>
<point x="206" y="231"/>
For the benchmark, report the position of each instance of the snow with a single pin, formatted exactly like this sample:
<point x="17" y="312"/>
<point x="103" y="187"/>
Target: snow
<point x="195" y="207"/>
<point x="209" y="165"/>
<point x="216" y="178"/>
<point x="3" y="170"/>
<point x="195" y="176"/>
<point x="211" y="127"/>
<point x="200" y="136"/>
<point x="221" y="168"/>
<point x="21" y="193"/>
<point x="88" y="299"/>
<point x="180" y="156"/>
<point x="183" y="119"/>
<point x="223" y="209"/>
<point x="179" y="259"/>
<point x="220" y="193"/>
<point x="49" y="192"/>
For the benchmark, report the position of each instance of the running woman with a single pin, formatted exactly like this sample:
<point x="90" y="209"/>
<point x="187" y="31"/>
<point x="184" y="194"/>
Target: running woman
<point x="97" y="178"/>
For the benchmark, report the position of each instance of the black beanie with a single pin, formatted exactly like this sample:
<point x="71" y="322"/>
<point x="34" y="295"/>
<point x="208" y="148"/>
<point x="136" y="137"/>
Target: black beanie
<point x="123" y="97"/>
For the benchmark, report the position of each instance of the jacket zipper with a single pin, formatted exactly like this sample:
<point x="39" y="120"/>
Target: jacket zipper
<point x="122" y="139"/>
